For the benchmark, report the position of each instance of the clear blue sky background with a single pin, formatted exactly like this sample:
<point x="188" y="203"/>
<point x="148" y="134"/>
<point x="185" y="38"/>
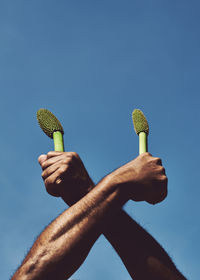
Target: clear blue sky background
<point x="91" y="63"/>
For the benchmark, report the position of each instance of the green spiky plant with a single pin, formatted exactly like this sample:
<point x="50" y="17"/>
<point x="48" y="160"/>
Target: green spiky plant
<point x="142" y="129"/>
<point x="52" y="128"/>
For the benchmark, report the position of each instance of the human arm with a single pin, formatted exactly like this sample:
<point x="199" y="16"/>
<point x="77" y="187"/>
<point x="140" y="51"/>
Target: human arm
<point x="64" y="244"/>
<point x="140" y="253"/>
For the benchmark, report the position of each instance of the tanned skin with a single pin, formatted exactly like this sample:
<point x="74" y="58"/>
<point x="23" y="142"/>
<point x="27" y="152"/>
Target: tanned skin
<point x="65" y="243"/>
<point x="143" y="257"/>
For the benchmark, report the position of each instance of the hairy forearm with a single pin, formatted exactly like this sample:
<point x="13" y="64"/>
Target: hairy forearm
<point x="143" y="257"/>
<point x="140" y="252"/>
<point x="65" y="243"/>
<point x="145" y="180"/>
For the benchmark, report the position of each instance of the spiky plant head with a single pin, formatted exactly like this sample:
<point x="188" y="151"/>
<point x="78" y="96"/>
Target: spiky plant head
<point x="140" y="122"/>
<point x="48" y="122"/>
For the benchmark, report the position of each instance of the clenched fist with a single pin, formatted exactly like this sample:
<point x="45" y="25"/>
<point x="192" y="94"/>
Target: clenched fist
<point x="64" y="175"/>
<point x="143" y="178"/>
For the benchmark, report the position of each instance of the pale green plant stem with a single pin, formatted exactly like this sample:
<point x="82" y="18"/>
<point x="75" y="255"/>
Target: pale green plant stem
<point x="58" y="141"/>
<point x="143" y="147"/>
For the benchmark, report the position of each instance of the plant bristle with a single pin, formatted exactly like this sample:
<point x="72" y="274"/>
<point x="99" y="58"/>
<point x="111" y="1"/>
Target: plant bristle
<point x="140" y="122"/>
<point x="48" y="122"/>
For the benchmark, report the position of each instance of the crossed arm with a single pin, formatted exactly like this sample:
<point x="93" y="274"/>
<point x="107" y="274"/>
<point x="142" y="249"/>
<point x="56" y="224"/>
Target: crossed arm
<point x="65" y="243"/>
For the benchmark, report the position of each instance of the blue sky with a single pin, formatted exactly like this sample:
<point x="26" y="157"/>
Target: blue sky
<point x="91" y="63"/>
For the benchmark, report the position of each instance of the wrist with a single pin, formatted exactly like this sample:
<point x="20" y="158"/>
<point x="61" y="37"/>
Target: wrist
<point x="83" y="188"/>
<point x="115" y="183"/>
<point x="128" y="183"/>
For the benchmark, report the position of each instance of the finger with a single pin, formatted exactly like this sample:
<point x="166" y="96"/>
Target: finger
<point x="72" y="155"/>
<point x="164" y="180"/>
<point x="54" y="154"/>
<point x="161" y="193"/>
<point x="42" y="158"/>
<point x="158" y="161"/>
<point x="58" y="156"/>
<point x="163" y="170"/>
<point x="64" y="164"/>
<point x="52" y="183"/>
<point x="51" y="169"/>
<point x="53" y="160"/>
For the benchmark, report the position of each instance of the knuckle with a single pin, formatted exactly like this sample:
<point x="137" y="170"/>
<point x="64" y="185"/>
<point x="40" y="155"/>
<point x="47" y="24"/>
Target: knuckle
<point x="158" y="160"/>
<point x="66" y="161"/>
<point x="164" y="179"/>
<point x="50" y="153"/>
<point x="75" y="155"/>
<point x="162" y="170"/>
<point x="47" y="182"/>
<point x="51" y="187"/>
<point x="63" y="168"/>
<point x="43" y="165"/>
<point x="43" y="175"/>
<point x="69" y="155"/>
